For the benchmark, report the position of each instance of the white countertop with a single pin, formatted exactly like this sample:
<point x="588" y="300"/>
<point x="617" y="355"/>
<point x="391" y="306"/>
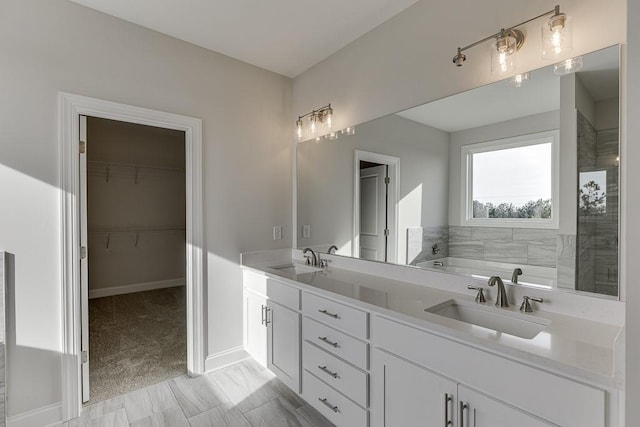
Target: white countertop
<point x="570" y="346"/>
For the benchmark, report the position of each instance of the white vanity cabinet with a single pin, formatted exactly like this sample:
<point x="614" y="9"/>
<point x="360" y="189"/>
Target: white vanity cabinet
<point x="335" y="359"/>
<point x="497" y="391"/>
<point x="272" y="326"/>
<point x="405" y="394"/>
<point x="478" y="410"/>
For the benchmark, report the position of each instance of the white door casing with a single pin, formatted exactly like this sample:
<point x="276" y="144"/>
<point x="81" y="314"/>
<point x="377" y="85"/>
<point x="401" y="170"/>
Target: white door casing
<point x="71" y="107"/>
<point x="84" y="260"/>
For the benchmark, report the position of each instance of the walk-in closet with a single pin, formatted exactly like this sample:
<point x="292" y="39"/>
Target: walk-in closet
<point x="135" y="224"/>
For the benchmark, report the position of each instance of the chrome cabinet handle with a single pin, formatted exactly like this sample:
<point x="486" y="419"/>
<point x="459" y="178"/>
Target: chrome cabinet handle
<point x="328" y="372"/>
<point x="329" y="405"/>
<point x="262" y="315"/>
<point x="335" y="316"/>
<point x="266" y="316"/>
<point x="447" y="399"/>
<point x="324" y="339"/>
<point x="463" y="407"/>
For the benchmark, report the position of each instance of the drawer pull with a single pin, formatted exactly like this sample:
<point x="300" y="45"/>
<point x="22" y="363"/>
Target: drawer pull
<point x="328" y="405"/>
<point x="447" y="400"/>
<point x="463" y="408"/>
<point x="328" y="372"/>
<point x="324" y="339"/>
<point x="335" y="316"/>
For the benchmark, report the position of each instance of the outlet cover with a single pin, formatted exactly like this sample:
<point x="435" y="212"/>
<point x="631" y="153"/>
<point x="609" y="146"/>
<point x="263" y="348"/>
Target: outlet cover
<point x="306" y="231"/>
<point x="277" y="232"/>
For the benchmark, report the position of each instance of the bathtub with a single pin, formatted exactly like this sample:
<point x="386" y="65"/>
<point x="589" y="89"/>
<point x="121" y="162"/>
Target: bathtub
<point x="544" y="277"/>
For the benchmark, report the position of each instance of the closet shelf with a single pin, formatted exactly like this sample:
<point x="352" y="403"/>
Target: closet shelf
<point x="136" y="168"/>
<point x="136" y="230"/>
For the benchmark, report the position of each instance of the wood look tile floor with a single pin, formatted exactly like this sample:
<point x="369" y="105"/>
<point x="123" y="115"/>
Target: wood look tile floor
<point x="242" y="395"/>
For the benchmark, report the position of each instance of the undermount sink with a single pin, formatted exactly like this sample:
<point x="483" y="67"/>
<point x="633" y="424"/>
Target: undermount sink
<point x="295" y="268"/>
<point x="493" y="318"/>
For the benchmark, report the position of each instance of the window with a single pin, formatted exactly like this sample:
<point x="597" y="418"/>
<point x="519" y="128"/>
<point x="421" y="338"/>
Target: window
<point x="511" y="182"/>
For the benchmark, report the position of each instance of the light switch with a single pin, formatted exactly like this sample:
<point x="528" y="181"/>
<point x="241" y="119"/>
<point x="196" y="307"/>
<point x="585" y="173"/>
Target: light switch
<point x="277" y="232"/>
<point x="306" y="231"/>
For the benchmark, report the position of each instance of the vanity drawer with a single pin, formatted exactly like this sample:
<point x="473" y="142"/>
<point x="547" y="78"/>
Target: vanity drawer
<point x="342" y="345"/>
<point x="334" y="406"/>
<point x="335" y="314"/>
<point x="348" y="380"/>
<point x="279" y="292"/>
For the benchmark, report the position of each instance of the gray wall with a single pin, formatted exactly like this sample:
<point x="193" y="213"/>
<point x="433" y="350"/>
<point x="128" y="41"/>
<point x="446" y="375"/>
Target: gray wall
<point x="147" y="199"/>
<point x="326" y="180"/>
<point x="55" y="45"/>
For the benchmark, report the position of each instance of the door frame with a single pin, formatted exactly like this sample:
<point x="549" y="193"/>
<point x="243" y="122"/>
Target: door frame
<point x="394" y="187"/>
<point x="71" y="107"/>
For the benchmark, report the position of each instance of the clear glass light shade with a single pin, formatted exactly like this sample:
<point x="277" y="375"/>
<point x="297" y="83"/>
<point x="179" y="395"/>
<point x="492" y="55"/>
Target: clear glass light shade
<point x="503" y="55"/>
<point x="332" y="136"/>
<point x="519" y="79"/>
<point x="568" y="66"/>
<point x="351" y="130"/>
<point x="299" y="130"/>
<point x="557" y="37"/>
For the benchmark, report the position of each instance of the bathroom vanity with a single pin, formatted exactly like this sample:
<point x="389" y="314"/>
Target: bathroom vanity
<point x="366" y="350"/>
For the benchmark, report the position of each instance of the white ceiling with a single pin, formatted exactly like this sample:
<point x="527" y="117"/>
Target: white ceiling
<point x="501" y="101"/>
<point x="284" y="36"/>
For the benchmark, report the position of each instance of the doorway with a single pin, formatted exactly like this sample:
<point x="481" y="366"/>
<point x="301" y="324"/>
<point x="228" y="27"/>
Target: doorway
<point x="375" y="206"/>
<point x="73" y="248"/>
<point x="133" y="220"/>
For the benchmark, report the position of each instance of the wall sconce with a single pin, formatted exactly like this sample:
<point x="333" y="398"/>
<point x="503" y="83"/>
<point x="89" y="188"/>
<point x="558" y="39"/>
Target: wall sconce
<point x="317" y="123"/>
<point x="556" y="42"/>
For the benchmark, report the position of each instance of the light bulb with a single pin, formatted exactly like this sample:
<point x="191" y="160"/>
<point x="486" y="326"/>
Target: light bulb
<point x="503" y="53"/>
<point x="313" y="125"/>
<point x="299" y="132"/>
<point x="329" y="117"/>
<point x="557" y="38"/>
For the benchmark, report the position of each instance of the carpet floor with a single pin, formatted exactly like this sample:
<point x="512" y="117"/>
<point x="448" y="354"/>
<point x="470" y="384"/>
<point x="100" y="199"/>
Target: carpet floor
<point x="136" y="340"/>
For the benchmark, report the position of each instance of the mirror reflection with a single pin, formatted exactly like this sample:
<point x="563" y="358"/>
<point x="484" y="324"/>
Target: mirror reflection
<point x="518" y="178"/>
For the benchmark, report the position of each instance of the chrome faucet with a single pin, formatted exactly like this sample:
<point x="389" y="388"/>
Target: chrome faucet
<point x="331" y="248"/>
<point x="314" y="257"/>
<point x="501" y="297"/>
<point x="514" y="277"/>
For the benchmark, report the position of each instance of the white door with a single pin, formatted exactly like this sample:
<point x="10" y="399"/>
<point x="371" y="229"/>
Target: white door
<point x="407" y="395"/>
<point x="373" y="213"/>
<point x="284" y="344"/>
<point x="478" y="410"/>
<point x="255" y="332"/>
<point x="84" y="261"/>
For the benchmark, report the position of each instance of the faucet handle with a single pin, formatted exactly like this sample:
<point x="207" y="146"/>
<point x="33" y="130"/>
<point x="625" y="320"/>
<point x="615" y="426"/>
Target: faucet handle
<point x="324" y="263"/>
<point x="480" y="295"/>
<point x="308" y="259"/>
<point x="525" y="307"/>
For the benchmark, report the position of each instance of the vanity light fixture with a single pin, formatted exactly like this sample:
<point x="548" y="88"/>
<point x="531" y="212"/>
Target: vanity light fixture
<point x="318" y="122"/>
<point x="556" y="41"/>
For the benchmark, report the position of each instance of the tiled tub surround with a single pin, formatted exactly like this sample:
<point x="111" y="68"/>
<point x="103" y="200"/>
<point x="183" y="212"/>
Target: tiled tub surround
<point x="518" y="246"/>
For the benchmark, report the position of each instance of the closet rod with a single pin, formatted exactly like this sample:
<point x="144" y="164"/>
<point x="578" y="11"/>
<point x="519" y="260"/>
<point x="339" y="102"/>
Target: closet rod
<point x="129" y="165"/>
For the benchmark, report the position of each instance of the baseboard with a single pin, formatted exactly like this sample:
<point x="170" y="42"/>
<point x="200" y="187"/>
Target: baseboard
<point x="45" y="416"/>
<point x="225" y="358"/>
<point x="136" y="287"/>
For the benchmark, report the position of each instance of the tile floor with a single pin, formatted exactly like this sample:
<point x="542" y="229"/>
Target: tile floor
<point x="242" y="395"/>
<point x="136" y="340"/>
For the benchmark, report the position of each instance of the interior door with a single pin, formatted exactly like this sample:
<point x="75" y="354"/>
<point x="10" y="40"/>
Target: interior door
<point x="373" y="213"/>
<point x="84" y="261"/>
<point x="408" y="395"/>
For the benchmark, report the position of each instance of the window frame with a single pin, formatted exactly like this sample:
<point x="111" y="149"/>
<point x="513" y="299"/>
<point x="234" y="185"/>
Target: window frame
<point x="467" y="152"/>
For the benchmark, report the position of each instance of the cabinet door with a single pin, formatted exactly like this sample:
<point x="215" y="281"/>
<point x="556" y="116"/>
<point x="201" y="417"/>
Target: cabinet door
<point x="479" y="410"/>
<point x="407" y="395"/>
<point x="255" y="329"/>
<point x="284" y="344"/>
